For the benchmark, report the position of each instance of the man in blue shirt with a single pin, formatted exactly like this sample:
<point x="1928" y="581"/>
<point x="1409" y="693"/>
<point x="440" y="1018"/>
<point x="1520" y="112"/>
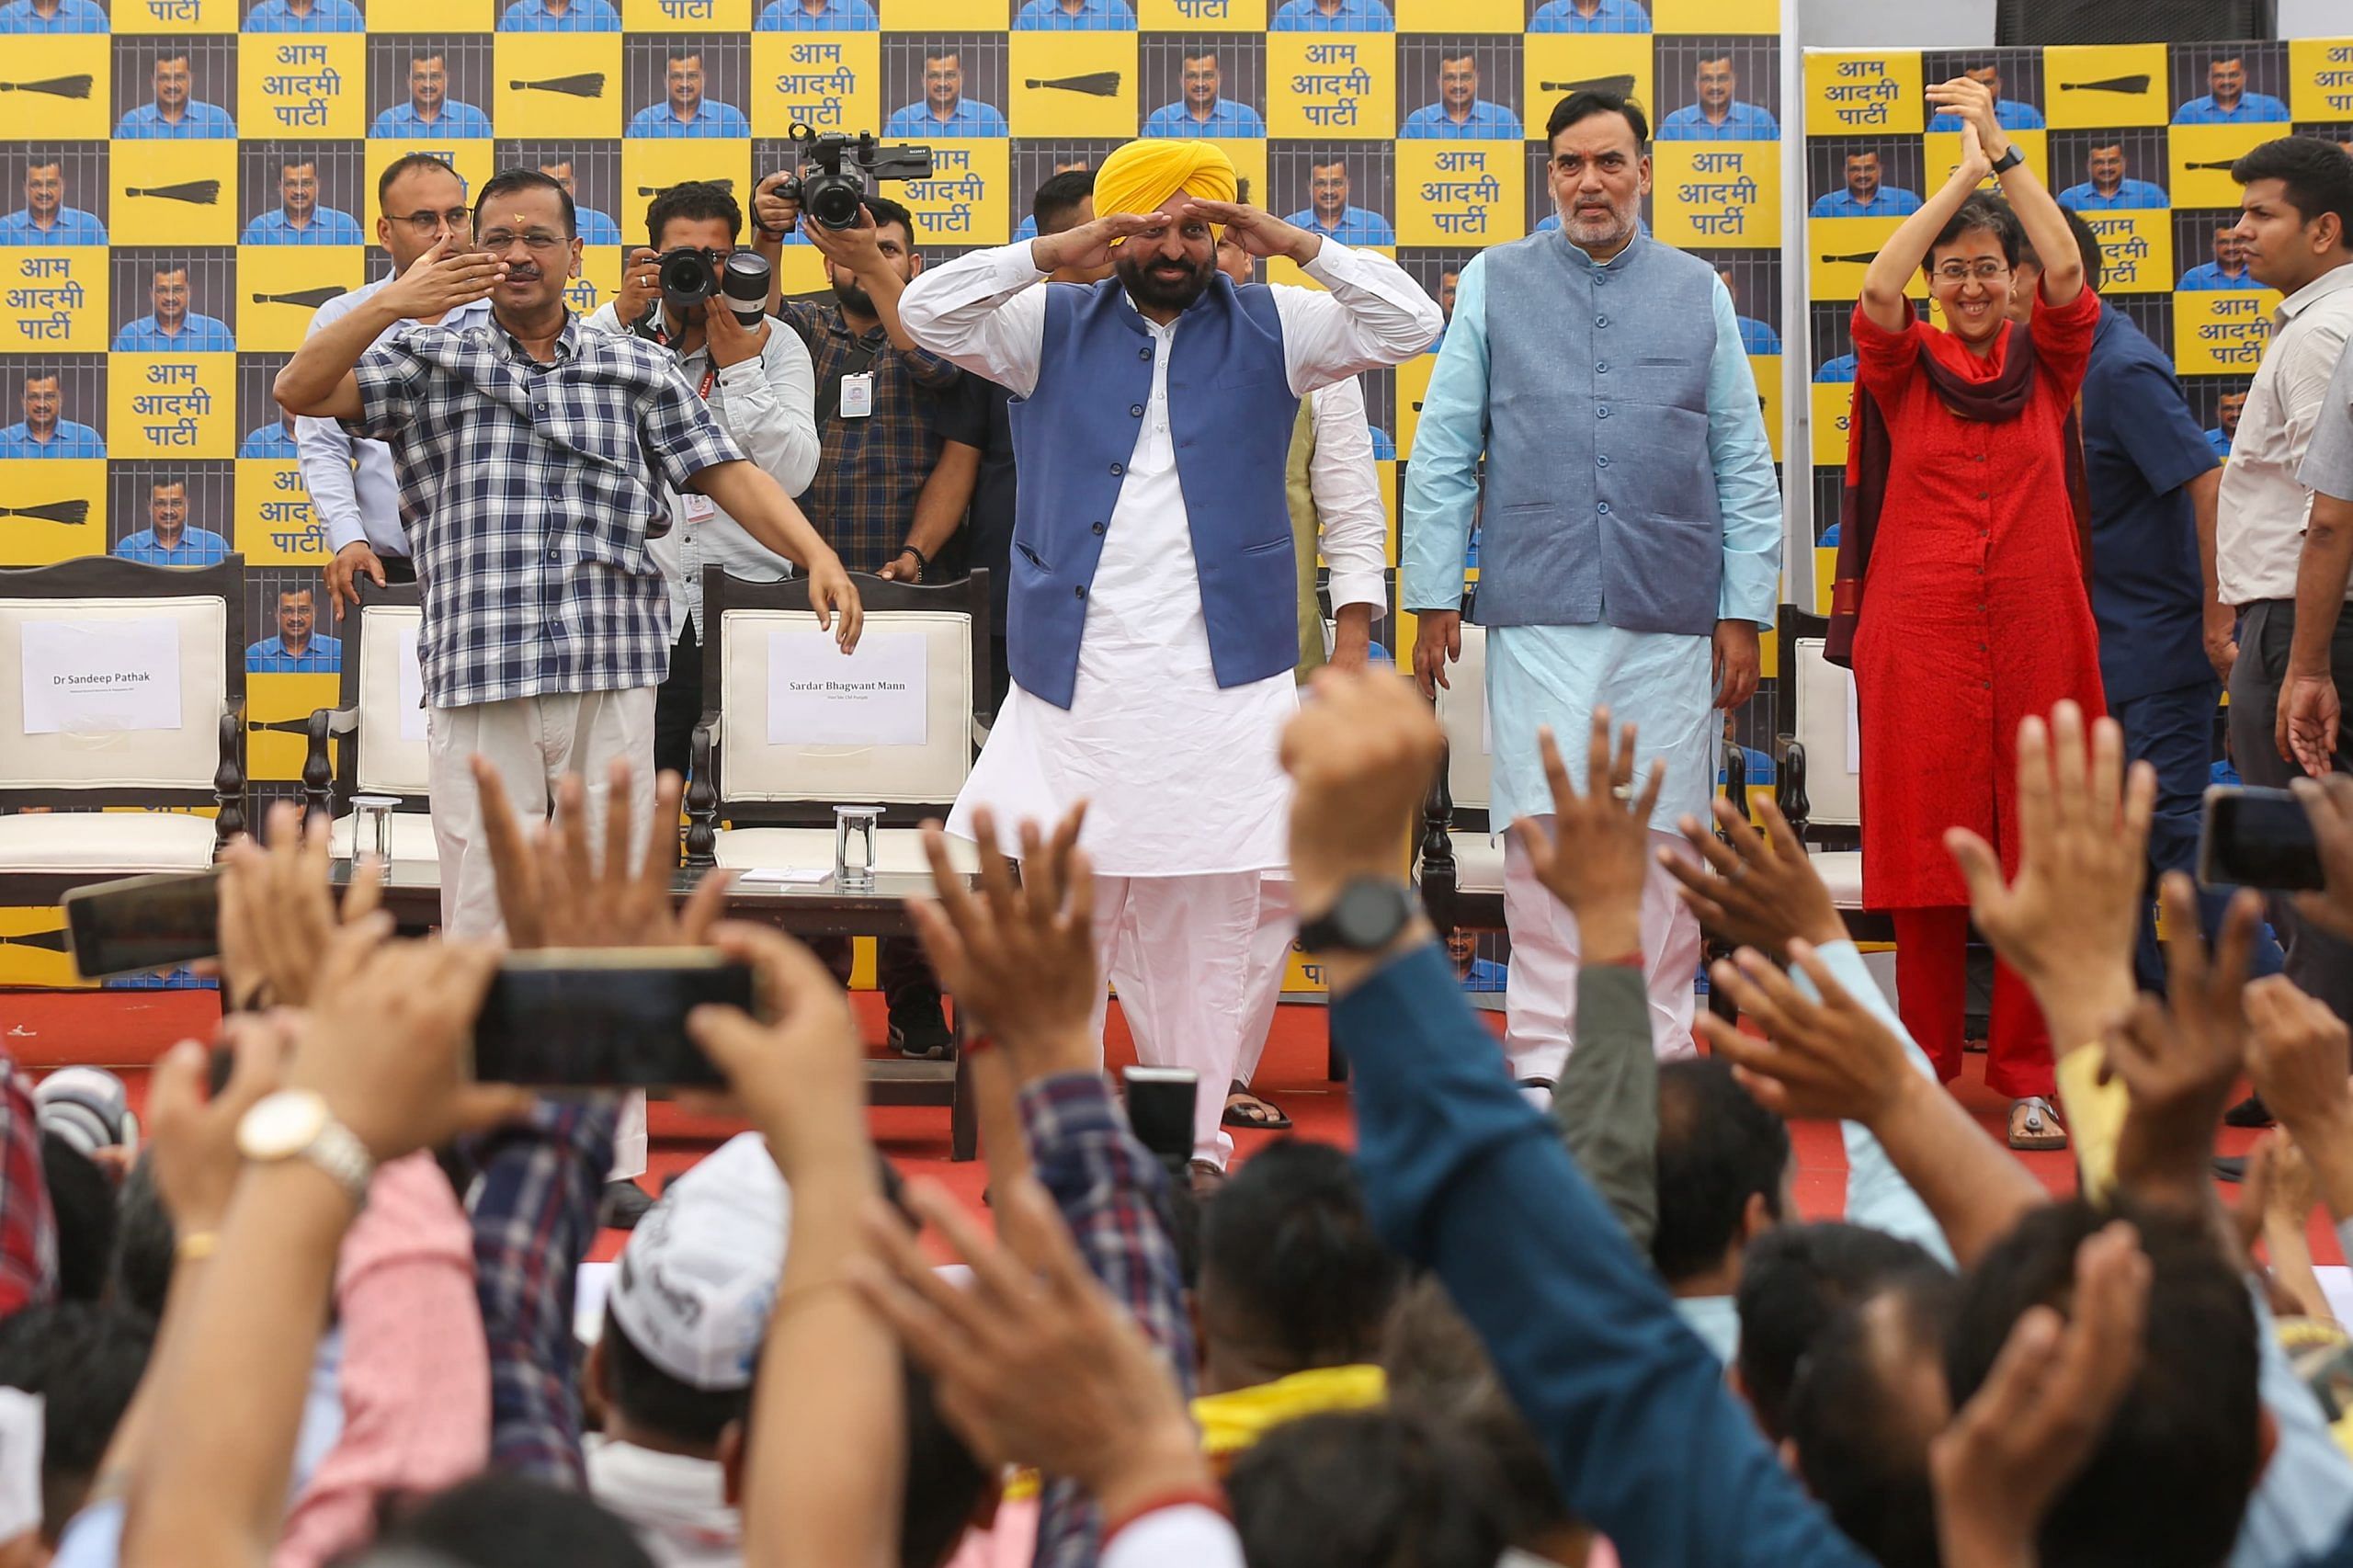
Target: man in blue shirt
<point x="944" y="111"/>
<point x="296" y="650"/>
<point x="167" y="540"/>
<point x="274" y="440"/>
<point x="1837" y="371"/>
<point x="1461" y="114"/>
<point x="1756" y="337"/>
<point x="1075" y="17"/>
<point x="48" y="16"/>
<point x="2227" y="270"/>
<point x="305" y="17"/>
<point x="1333" y="16"/>
<point x="174" y="116"/>
<point x="2109" y="190"/>
<point x="686" y="112"/>
<point x="430" y="111"/>
<point x="44" y="219"/>
<point x="300" y="220"/>
<point x="44" y="432"/>
<point x="561" y="17"/>
<point x="2227" y="428"/>
<point x="595" y="228"/>
<point x="1590" y="17"/>
<point x="170" y="326"/>
<point x="2008" y="113"/>
<point x="1718" y="115"/>
<point x="1865" y="197"/>
<point x="817" y="15"/>
<point x="1329" y="214"/>
<point x="2154" y="481"/>
<point x="1203" y="114"/>
<point x="2227" y="101"/>
<point x="1477" y="974"/>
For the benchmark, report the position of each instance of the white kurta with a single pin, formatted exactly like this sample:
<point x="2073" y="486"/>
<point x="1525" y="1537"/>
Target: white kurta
<point x="1182" y="776"/>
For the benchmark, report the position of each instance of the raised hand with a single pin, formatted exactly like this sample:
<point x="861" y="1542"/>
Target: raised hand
<point x="1596" y="858"/>
<point x="277" y="909"/>
<point x="1831" y="1058"/>
<point x="1754" y="892"/>
<point x="2297" y="1056"/>
<point x="443" y="278"/>
<point x="1021" y="953"/>
<point x="1033" y="1362"/>
<point x="1973" y="101"/>
<point x="553" y="893"/>
<point x="800" y="1078"/>
<point x="193" y="1139"/>
<point x="1092" y="244"/>
<point x="2035" y="1422"/>
<point x="1258" y="231"/>
<point x="2068" y="923"/>
<point x="2329" y="802"/>
<point x="2179" y="1060"/>
<point x="390" y="1057"/>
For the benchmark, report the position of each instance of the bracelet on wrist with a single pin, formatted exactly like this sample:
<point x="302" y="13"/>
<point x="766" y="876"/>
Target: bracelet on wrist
<point x="923" y="562"/>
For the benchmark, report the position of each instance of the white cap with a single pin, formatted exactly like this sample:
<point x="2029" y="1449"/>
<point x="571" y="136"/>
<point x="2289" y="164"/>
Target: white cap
<point x="89" y="1108"/>
<point x="695" y="1283"/>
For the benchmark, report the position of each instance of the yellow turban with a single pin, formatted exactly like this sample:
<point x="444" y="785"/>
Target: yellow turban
<point x="1142" y="175"/>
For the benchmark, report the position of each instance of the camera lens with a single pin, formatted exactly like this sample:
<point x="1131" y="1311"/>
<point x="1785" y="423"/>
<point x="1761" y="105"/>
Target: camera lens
<point x="745" y="283"/>
<point x="834" y="199"/>
<point x="687" y="277"/>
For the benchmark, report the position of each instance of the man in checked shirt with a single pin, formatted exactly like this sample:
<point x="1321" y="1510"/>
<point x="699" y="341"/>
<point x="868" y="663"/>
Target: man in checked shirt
<point x="535" y="458"/>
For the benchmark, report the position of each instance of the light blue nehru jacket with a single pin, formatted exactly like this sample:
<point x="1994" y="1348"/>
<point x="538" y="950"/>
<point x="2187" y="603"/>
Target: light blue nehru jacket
<point x="1599" y="492"/>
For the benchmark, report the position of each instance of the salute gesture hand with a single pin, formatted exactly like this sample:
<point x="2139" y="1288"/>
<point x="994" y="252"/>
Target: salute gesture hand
<point x="442" y="280"/>
<point x="1259" y="232"/>
<point x="1092" y="244"/>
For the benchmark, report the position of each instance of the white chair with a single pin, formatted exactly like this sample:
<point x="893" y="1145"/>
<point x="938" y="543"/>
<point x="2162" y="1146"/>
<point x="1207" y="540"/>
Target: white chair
<point x="1461" y="860"/>
<point x="777" y="796"/>
<point x="1823" y="799"/>
<point x="383" y="750"/>
<point x="169" y="758"/>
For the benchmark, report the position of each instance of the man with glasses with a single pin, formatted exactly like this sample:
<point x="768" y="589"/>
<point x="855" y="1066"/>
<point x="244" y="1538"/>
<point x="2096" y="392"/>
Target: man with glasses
<point x="419" y="199"/>
<point x="761" y="389"/>
<point x="537" y="459"/>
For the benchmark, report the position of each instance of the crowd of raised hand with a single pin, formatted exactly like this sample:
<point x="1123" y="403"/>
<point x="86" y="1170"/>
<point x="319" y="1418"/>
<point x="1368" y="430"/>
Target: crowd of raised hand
<point x="1600" y="1330"/>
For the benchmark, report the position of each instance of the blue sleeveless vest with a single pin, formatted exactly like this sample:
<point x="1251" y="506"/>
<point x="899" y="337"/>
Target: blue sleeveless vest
<point x="1230" y="409"/>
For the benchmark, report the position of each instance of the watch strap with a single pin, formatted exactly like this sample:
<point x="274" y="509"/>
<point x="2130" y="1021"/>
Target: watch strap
<point x="1328" y="933"/>
<point x="2010" y="160"/>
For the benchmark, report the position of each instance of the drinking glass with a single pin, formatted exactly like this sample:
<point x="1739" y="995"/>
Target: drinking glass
<point x="854" y="846"/>
<point x="371" y="827"/>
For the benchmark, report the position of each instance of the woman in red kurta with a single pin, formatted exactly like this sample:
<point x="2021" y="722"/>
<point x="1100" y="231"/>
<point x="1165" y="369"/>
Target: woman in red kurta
<point x="1974" y="612"/>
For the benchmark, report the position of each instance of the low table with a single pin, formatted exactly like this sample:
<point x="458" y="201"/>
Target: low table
<point x="806" y="910"/>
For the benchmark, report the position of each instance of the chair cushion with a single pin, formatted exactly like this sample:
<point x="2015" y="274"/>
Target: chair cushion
<point x="812" y="848"/>
<point x="106" y="841"/>
<point x="412" y="840"/>
<point x="1478" y="863"/>
<point x="1842" y="872"/>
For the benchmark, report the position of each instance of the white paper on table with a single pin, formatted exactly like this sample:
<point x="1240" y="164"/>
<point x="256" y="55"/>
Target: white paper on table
<point x="412" y="687"/>
<point x="1854" y="726"/>
<point x="877" y="696"/>
<point x="90" y="677"/>
<point x="788" y="874"/>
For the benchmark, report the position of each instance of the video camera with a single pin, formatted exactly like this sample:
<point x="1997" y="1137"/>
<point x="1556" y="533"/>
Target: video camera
<point x="834" y="195"/>
<point x="689" y="276"/>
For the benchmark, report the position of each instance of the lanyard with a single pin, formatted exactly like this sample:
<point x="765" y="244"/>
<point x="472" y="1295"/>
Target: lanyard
<point x="709" y="378"/>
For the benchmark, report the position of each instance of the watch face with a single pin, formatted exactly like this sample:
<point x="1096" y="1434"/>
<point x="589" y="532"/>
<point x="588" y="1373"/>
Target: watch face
<point x="280" y="1125"/>
<point x="1369" y="913"/>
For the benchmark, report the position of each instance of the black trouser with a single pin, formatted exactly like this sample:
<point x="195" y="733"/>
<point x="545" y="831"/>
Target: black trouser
<point x="678" y="704"/>
<point x="2320" y="964"/>
<point x="901" y="973"/>
<point x="397" y="569"/>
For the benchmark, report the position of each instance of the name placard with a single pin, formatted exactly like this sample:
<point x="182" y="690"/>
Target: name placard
<point x="877" y="696"/>
<point x="96" y="677"/>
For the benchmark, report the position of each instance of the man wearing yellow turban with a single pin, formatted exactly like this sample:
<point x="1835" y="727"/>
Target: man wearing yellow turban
<point x="1153" y="612"/>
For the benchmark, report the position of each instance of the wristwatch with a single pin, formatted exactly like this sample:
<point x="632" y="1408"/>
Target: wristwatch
<point x="1364" y="918"/>
<point x="295" y="1124"/>
<point x="2008" y="161"/>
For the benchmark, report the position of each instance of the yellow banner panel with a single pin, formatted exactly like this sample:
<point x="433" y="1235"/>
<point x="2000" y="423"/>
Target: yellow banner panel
<point x="276" y="524"/>
<point x="2104" y="87"/>
<point x="1200" y="16"/>
<point x="1554" y="66"/>
<point x="671" y="15"/>
<point x="57" y="89"/>
<point x="1841" y="252"/>
<point x="558" y="84"/>
<point x="1320" y="86"/>
<point x="275" y="697"/>
<point x="2321" y="73"/>
<point x="1461" y="193"/>
<point x="2221" y="334"/>
<point x="1721" y="194"/>
<point x="826" y="80"/>
<point x="1461" y="16"/>
<point x="1864" y="95"/>
<point x="2137" y="246"/>
<point x="966" y="201"/>
<point x="1833" y="407"/>
<point x="280" y="288"/>
<point x="51" y="509"/>
<point x="2200" y="159"/>
<point x="175" y="17"/>
<point x="174" y="193"/>
<point x="172" y="405"/>
<point x="650" y="167"/>
<point x="1071" y="84"/>
<point x="1716" y="17"/>
<point x="316" y="84"/>
<point x="1942" y="153"/>
<point x="1413" y="386"/>
<point x="53" y="302"/>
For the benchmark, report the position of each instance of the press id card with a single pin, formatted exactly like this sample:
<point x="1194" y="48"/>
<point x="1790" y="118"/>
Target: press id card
<point x="700" y="508"/>
<point x="857" y="395"/>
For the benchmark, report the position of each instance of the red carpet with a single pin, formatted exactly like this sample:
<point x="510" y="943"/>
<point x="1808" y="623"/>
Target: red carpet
<point x="124" y="1030"/>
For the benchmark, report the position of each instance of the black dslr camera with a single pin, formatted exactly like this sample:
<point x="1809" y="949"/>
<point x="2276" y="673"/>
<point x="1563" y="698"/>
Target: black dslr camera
<point x="689" y="276"/>
<point x="833" y="194"/>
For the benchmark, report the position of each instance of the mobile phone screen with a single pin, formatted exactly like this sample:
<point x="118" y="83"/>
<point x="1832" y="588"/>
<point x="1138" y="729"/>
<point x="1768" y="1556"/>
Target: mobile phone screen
<point x="1160" y="1109"/>
<point x="2257" y="838"/>
<point x="143" y="923"/>
<point x="593" y="1020"/>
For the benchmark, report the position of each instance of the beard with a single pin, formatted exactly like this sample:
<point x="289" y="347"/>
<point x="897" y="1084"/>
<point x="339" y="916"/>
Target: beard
<point x="854" y="299"/>
<point x="1159" y="292"/>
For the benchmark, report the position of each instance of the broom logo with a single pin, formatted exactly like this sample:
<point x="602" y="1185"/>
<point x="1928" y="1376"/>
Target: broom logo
<point x="309" y="299"/>
<point x="197" y="192"/>
<point x="53" y="86"/>
<point x="588" y="84"/>
<point x="67" y="512"/>
<point x="1095" y="84"/>
<point x="1621" y="87"/>
<point x="2131" y="86"/>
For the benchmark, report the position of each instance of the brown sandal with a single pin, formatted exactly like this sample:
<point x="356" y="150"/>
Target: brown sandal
<point x="2034" y="1125"/>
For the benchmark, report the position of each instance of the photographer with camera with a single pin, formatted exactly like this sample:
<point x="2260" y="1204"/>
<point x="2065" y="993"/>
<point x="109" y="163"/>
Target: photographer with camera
<point x="900" y="432"/>
<point x="682" y="292"/>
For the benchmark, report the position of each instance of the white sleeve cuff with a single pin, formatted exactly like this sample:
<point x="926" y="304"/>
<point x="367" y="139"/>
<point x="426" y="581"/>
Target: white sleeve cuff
<point x="1189" y="1535"/>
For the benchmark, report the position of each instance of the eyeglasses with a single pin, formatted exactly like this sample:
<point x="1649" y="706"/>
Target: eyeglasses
<point x="459" y="219"/>
<point x="498" y="241"/>
<point x="1984" y="272"/>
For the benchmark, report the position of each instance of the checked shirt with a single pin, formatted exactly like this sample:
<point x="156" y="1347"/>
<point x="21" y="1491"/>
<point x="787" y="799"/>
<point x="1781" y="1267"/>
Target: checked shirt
<point x="526" y="491"/>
